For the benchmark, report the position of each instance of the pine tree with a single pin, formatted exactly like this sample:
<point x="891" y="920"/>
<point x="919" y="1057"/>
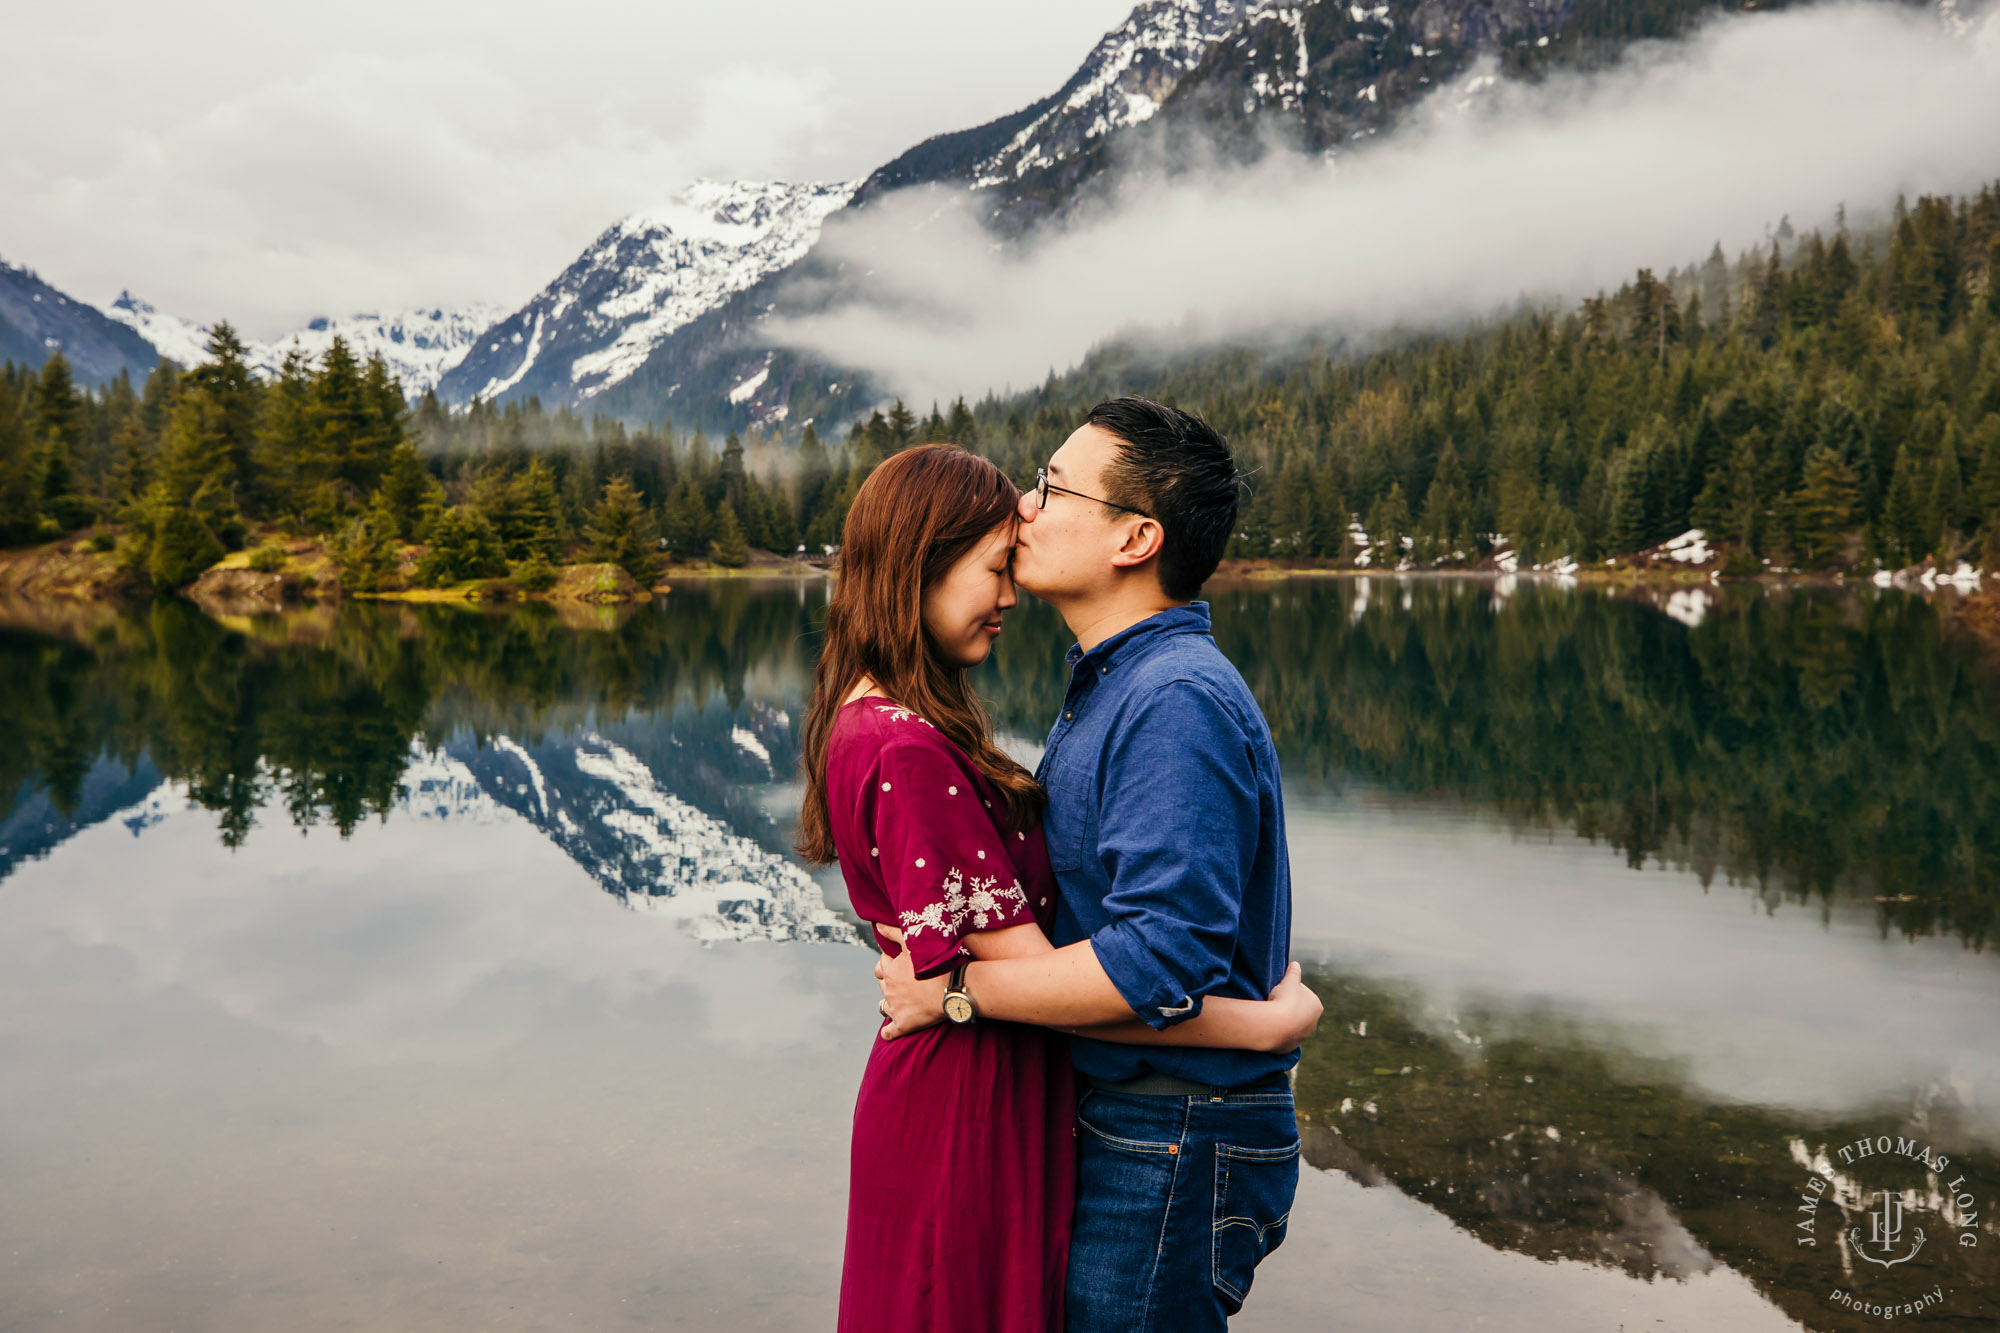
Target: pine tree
<point x="901" y="428"/>
<point x="815" y="470"/>
<point x="1825" y="508"/>
<point x="732" y="474"/>
<point x="621" y="532"/>
<point x="408" y="491"/>
<point x="1947" y="497"/>
<point x="1330" y="537"/>
<point x="1388" y="523"/>
<point x="181" y="548"/>
<point x="20" y="489"/>
<point x="960" y="428"/>
<point x="1907" y="530"/>
<point x="535" y="501"/>
<point x="1445" y="531"/>
<point x="729" y="549"/>
<point x="364" y="553"/>
<point x="1985" y="446"/>
<point x="1729" y="505"/>
<point x="688" y="522"/>
<point x="460" y="545"/>
<point x="286" y="451"/>
<point x="56" y="423"/>
<point x="235" y="402"/>
<point x="197" y="471"/>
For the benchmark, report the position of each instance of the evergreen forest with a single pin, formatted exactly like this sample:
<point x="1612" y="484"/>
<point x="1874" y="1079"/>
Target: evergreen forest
<point x="1827" y="402"/>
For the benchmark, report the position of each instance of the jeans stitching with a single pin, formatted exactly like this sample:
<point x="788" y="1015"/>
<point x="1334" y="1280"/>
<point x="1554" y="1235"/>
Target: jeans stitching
<point x="1226" y="1153"/>
<point x="1166" y="1219"/>
<point x="1256" y="1154"/>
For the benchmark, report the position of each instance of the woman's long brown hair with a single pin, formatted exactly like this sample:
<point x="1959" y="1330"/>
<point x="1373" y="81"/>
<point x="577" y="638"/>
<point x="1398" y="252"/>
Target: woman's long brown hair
<point x="912" y="520"/>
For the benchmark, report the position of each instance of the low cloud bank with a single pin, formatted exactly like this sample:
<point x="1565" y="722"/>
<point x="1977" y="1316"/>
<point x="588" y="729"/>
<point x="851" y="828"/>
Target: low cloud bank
<point x="1492" y="191"/>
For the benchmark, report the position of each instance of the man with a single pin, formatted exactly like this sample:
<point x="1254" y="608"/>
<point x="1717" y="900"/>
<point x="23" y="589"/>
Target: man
<point x="1166" y="830"/>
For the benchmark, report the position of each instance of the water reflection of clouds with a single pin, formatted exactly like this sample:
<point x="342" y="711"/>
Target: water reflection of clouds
<point x="400" y="941"/>
<point x="1785" y="1007"/>
<point x="429" y="1077"/>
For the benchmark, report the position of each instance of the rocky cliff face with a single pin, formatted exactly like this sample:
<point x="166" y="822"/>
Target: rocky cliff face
<point x="36" y="321"/>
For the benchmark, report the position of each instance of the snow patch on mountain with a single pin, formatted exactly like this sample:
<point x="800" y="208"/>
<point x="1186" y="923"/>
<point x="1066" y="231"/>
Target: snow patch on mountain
<point x="418" y="346"/>
<point x="175" y="338"/>
<point x="650" y="274"/>
<point x="1122" y="82"/>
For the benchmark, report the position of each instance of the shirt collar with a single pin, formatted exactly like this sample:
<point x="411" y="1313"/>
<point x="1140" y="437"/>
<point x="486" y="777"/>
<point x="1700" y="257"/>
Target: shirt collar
<point x="1136" y="639"/>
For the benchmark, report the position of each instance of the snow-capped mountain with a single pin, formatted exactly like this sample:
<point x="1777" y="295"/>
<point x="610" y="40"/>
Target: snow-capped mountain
<point x="1131" y="70"/>
<point x="641" y="280"/>
<point x="1179" y="81"/>
<point x="419" y="346"/>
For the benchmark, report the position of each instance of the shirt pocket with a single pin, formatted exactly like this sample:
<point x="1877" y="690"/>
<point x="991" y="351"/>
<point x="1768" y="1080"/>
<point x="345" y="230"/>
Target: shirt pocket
<point x="1070" y="825"/>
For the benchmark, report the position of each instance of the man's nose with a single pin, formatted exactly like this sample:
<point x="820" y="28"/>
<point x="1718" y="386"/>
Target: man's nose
<point x="1026" y="507"/>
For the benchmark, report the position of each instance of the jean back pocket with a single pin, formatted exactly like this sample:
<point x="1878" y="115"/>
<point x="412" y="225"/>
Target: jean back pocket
<point x="1253" y="1201"/>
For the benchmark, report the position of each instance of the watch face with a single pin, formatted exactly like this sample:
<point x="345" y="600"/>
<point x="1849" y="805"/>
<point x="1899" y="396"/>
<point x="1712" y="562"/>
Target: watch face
<point x="958" y="1009"/>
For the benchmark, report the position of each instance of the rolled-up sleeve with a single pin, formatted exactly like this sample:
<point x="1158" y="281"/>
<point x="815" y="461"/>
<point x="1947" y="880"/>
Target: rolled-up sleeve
<point x="1176" y="836"/>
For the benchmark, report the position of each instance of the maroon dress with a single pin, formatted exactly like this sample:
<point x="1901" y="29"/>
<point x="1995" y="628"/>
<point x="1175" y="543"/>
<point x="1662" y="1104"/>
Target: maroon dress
<point x="958" y="1207"/>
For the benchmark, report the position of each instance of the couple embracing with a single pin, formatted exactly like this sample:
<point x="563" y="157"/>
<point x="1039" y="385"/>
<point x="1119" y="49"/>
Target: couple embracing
<point x="1078" y="1114"/>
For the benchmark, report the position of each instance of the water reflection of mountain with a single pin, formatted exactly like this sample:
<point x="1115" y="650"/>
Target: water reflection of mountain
<point x="1541" y="1143"/>
<point x="648" y="751"/>
<point x="605" y="808"/>
<point x="609" y="813"/>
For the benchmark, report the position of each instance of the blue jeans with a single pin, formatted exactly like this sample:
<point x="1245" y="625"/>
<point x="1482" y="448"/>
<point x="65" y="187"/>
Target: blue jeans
<point x="1178" y="1200"/>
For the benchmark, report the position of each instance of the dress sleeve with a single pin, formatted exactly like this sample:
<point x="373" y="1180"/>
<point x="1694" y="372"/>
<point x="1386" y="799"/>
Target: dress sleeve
<point x="941" y="854"/>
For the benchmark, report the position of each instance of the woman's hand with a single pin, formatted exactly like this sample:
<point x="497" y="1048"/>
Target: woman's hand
<point x="1295" y="1011"/>
<point x="908" y="1004"/>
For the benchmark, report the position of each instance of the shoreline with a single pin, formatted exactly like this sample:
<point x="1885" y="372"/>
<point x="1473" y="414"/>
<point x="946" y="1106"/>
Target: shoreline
<point x="69" y="570"/>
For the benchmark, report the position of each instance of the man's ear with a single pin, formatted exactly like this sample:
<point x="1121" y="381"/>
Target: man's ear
<point x="1143" y="539"/>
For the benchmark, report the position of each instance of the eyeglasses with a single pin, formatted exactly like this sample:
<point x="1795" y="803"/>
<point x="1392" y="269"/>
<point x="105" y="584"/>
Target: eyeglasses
<point x="1043" y="486"/>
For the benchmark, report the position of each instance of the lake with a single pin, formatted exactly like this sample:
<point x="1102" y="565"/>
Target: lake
<point x="417" y="967"/>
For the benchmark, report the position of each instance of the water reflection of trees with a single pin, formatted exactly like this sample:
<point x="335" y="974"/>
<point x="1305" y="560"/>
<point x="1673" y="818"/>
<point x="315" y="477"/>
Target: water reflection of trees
<point x="316" y="713"/>
<point x="1539" y="1142"/>
<point x="1805" y="741"/>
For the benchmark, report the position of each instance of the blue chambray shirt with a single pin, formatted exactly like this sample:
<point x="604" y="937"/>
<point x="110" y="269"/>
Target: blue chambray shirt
<point x="1166" y="828"/>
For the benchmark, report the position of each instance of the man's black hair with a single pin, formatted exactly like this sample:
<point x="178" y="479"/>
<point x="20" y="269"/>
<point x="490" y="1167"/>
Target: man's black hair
<point x="1176" y="467"/>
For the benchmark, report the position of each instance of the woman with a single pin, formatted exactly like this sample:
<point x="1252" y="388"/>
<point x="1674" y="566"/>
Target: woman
<point x="959" y="1200"/>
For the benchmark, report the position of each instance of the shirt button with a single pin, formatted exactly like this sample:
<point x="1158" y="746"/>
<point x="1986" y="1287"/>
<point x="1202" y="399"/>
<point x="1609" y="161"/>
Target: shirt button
<point x="1104" y="671"/>
<point x="1067" y="715"/>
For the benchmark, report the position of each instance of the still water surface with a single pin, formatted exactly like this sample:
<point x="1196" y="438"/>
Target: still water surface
<point x="421" y="968"/>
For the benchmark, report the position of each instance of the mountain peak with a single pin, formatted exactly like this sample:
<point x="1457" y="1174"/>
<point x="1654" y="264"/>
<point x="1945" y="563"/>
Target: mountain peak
<point x="642" y="278"/>
<point x="417" y="345"/>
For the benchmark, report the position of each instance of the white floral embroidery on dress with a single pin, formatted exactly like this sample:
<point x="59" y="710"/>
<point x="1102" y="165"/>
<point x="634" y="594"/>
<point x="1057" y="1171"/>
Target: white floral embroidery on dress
<point x="898" y="713"/>
<point x="980" y="899"/>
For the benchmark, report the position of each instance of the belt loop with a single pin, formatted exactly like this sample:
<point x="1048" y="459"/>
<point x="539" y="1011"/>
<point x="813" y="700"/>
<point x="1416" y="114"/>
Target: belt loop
<point x="1216" y="1092"/>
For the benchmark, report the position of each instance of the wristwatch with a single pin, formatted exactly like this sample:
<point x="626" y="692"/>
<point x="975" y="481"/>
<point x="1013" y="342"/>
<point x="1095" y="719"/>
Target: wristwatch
<point x="958" y="1005"/>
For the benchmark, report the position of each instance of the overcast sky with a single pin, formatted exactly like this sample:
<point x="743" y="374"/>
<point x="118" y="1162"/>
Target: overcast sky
<point x="269" y="162"/>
